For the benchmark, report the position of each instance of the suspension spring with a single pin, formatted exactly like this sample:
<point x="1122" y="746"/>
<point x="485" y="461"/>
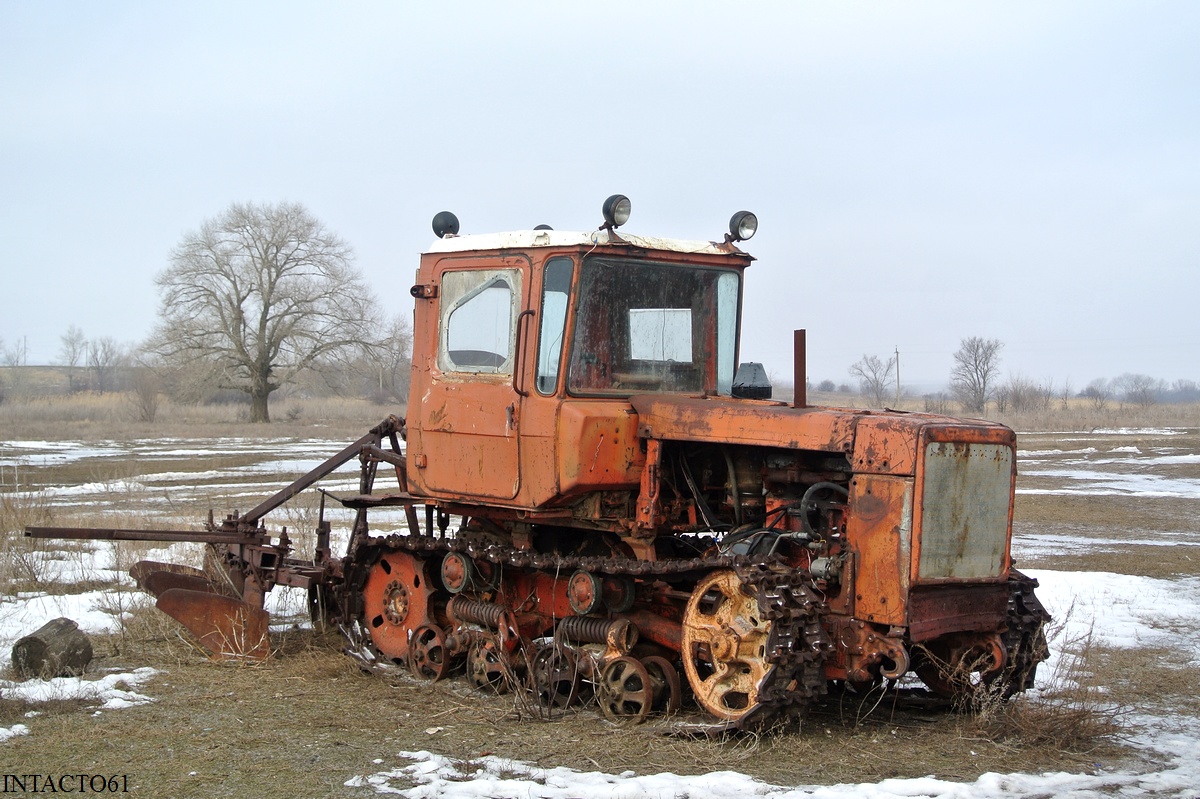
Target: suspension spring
<point x="618" y="633"/>
<point x="488" y="614"/>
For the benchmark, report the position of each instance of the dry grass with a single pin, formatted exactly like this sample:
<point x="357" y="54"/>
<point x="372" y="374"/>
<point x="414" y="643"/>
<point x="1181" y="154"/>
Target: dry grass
<point x="308" y="717"/>
<point x="116" y="416"/>
<point x="1076" y="414"/>
<point x="18" y="559"/>
<point x="119" y="415"/>
<point x="1080" y="415"/>
<point x="1072" y="714"/>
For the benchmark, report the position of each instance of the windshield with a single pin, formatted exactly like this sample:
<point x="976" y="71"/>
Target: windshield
<point x="654" y="327"/>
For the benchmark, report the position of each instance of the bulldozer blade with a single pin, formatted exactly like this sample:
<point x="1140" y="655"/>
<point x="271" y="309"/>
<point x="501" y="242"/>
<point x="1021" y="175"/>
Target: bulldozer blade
<point x="157" y="583"/>
<point x="227" y="627"/>
<point x="143" y="568"/>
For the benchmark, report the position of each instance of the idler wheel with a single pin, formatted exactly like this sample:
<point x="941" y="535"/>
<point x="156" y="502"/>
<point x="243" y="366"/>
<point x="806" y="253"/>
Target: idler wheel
<point x="724" y="646"/>
<point x="619" y="593"/>
<point x="487" y="666"/>
<point x="668" y="693"/>
<point x="427" y="654"/>
<point x="585" y="591"/>
<point x="458" y="572"/>
<point x="625" y="691"/>
<point x="556" y="677"/>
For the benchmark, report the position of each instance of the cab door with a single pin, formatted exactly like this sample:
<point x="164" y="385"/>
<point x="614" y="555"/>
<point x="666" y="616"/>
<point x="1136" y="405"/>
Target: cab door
<point x="466" y="428"/>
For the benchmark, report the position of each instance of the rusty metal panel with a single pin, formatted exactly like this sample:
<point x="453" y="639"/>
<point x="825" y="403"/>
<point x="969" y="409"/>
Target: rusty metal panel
<point x="159" y="582"/>
<point x="227" y="627"/>
<point x="470" y="433"/>
<point x="966" y="506"/>
<point x="463" y="426"/>
<point x="879" y="528"/>
<point x="766" y="424"/>
<point x="940" y="610"/>
<point x="886" y="445"/>
<point x="598" y="447"/>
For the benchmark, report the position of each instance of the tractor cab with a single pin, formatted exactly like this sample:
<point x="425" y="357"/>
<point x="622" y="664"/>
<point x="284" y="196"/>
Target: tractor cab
<point x="525" y="339"/>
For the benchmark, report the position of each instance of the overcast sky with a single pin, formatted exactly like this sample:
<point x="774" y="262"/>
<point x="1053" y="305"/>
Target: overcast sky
<point x="922" y="171"/>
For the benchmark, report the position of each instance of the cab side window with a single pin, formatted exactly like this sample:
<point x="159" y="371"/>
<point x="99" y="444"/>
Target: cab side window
<point x="556" y="290"/>
<point x="478" y="320"/>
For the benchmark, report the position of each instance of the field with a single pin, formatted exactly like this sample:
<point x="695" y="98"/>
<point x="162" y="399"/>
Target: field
<point x="1106" y="518"/>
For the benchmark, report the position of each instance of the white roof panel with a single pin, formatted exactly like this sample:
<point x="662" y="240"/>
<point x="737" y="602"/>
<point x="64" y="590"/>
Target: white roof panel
<point x="527" y="239"/>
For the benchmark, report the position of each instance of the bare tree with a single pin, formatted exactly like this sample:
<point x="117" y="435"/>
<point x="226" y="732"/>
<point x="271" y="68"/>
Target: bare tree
<point x="1139" y="389"/>
<point x="73" y="354"/>
<point x="14" y="357"/>
<point x="394" y="357"/>
<point x="1184" y="391"/>
<point x="976" y="366"/>
<point x="1099" y="392"/>
<point x="1023" y="394"/>
<point x="16" y="354"/>
<point x="146" y="389"/>
<point x="262" y="293"/>
<point x="1002" y="397"/>
<point x="382" y="373"/>
<point x="104" y="357"/>
<point x="874" y="376"/>
<point x="937" y="403"/>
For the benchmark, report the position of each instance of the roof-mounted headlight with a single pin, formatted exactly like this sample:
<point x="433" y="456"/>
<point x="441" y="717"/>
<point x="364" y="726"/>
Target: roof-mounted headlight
<point x="742" y="226"/>
<point x="445" y="224"/>
<point x="616" y="211"/>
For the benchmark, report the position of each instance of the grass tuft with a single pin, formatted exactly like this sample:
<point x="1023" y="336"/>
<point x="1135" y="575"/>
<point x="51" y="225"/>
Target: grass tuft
<point x="18" y="554"/>
<point x="1072" y="712"/>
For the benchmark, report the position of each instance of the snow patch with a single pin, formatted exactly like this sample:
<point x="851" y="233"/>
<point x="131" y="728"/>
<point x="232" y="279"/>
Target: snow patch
<point x="12" y="732"/>
<point x="113" y="691"/>
<point x="432" y="775"/>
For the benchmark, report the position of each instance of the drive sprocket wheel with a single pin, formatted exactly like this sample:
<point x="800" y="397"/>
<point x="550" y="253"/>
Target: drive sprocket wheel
<point x="724" y="646"/>
<point x="395" y="603"/>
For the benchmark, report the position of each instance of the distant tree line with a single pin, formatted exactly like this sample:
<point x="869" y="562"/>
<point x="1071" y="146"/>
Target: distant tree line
<point x="975" y="384"/>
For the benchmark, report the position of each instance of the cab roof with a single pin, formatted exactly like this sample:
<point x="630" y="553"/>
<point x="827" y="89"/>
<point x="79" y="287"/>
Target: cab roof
<point x="528" y="239"/>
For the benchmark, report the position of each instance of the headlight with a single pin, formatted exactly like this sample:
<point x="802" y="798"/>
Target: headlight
<point x="742" y="226"/>
<point x="616" y="211"/>
<point x="445" y="224"/>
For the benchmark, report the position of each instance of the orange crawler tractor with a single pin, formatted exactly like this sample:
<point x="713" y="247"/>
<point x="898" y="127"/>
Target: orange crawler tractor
<point x="600" y="502"/>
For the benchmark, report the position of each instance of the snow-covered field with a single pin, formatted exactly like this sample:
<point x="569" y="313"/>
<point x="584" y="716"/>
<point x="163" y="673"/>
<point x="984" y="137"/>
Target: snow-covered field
<point x="1118" y="610"/>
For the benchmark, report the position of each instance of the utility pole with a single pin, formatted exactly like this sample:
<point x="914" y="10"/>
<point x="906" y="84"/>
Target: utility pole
<point x="897" y="376"/>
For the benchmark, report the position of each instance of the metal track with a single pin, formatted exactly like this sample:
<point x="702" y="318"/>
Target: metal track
<point x="1025" y="638"/>
<point x="796" y="646"/>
